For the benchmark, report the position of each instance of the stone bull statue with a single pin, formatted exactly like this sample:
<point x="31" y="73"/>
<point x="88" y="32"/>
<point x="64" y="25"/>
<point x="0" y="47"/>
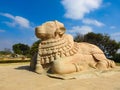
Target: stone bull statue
<point x="58" y="53"/>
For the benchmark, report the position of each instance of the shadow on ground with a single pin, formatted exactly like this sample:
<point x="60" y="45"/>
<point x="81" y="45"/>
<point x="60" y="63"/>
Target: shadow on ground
<point x="23" y="68"/>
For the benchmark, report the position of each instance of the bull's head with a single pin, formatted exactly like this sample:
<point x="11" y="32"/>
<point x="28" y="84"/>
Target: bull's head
<point x="50" y="30"/>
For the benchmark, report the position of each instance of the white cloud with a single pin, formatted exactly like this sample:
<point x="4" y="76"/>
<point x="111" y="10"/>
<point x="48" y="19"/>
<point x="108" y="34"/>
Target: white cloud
<point x="112" y="27"/>
<point x="23" y="22"/>
<point x="92" y="22"/>
<point x="106" y="4"/>
<point x="1" y="30"/>
<point x="7" y="15"/>
<point x="80" y="29"/>
<point x="16" y="20"/>
<point x="76" y="9"/>
<point x="116" y="36"/>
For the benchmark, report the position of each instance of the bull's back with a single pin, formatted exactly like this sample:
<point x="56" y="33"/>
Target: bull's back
<point x="86" y="48"/>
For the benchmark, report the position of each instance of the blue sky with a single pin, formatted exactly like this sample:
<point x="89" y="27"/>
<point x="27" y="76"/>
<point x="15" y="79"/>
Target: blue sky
<point x="18" y="18"/>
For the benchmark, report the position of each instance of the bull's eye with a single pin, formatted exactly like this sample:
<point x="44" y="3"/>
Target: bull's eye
<point x="63" y="28"/>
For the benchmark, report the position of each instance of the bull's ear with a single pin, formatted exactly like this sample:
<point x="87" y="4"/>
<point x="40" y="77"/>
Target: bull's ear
<point x="60" y="29"/>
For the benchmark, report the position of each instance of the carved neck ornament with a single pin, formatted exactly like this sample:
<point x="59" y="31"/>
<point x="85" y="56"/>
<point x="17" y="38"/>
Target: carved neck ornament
<point x="51" y="50"/>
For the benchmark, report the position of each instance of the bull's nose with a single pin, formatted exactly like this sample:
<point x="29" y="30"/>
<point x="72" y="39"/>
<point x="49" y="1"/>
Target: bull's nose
<point x="37" y="28"/>
<point x="40" y="29"/>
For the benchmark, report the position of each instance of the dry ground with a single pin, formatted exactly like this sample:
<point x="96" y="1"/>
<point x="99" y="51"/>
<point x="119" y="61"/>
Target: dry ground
<point x="18" y="77"/>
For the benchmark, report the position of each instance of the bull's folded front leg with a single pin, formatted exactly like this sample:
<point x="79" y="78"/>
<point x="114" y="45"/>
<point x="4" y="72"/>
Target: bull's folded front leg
<point x="65" y="66"/>
<point x="60" y="67"/>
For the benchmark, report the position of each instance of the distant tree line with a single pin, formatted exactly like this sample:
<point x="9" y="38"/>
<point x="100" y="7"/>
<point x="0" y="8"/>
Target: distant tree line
<point x="6" y="51"/>
<point x="23" y="49"/>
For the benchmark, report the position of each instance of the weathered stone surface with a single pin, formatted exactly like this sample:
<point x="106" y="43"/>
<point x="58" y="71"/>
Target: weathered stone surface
<point x="58" y="53"/>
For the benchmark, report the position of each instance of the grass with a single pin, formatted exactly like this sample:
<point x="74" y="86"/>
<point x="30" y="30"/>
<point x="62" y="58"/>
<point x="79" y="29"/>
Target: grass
<point x="13" y="61"/>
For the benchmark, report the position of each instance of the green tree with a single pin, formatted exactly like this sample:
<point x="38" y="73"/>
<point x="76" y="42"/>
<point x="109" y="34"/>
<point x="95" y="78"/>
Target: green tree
<point x="34" y="48"/>
<point x="116" y="57"/>
<point x="22" y="49"/>
<point x="79" y="37"/>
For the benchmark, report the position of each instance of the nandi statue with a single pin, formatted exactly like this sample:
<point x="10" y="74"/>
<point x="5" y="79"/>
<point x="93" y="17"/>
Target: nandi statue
<point x="59" y="54"/>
